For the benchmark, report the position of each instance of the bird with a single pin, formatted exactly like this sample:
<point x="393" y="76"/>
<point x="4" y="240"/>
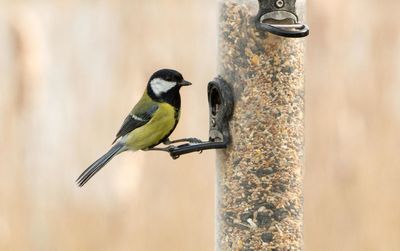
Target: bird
<point x="150" y="122"/>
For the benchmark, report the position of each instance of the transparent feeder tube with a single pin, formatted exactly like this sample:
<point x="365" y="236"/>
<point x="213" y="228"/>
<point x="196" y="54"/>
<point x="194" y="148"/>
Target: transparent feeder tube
<point x="259" y="176"/>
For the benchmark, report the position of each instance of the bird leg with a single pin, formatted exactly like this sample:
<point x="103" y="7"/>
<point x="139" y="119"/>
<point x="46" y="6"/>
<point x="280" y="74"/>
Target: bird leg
<point x="164" y="149"/>
<point x="190" y="140"/>
<point x="170" y="142"/>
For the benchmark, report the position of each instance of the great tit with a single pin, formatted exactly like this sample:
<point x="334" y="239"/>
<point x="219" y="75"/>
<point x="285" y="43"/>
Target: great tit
<point x="150" y="122"/>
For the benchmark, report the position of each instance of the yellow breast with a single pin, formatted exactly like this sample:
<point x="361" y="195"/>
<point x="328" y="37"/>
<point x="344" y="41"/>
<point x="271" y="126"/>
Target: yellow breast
<point x="161" y="124"/>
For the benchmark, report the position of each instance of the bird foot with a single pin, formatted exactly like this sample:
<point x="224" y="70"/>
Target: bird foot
<point x="164" y="149"/>
<point x="190" y="140"/>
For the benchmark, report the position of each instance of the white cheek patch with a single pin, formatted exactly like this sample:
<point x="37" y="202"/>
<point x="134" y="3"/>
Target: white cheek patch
<point x="159" y="86"/>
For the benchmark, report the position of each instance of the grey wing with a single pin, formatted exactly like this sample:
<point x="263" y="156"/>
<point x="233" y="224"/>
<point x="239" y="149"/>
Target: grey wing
<point x="133" y="121"/>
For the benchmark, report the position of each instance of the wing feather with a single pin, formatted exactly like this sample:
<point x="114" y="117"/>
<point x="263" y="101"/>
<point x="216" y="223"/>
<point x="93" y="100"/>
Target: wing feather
<point x="135" y="120"/>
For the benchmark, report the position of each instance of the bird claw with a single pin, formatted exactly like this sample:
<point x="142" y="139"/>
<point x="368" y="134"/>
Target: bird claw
<point x="164" y="149"/>
<point x="169" y="148"/>
<point x="190" y="140"/>
<point x="194" y="140"/>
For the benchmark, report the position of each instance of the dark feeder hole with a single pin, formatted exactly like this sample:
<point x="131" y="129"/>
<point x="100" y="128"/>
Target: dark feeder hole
<point x="215" y="103"/>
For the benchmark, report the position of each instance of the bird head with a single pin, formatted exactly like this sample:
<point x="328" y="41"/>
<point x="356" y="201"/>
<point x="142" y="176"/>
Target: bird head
<point x="165" y="84"/>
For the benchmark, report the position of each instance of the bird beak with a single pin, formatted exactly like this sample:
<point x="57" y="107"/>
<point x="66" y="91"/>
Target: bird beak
<point x="185" y="83"/>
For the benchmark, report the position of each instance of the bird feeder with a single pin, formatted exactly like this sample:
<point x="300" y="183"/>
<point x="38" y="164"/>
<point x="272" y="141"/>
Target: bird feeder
<point x="260" y="174"/>
<point x="257" y="122"/>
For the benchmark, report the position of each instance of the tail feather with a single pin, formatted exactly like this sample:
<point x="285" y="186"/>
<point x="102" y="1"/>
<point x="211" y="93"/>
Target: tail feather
<point x="98" y="164"/>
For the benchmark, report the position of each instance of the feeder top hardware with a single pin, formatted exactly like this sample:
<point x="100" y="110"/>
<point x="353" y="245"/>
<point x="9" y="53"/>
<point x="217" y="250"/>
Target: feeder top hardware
<point x="273" y="11"/>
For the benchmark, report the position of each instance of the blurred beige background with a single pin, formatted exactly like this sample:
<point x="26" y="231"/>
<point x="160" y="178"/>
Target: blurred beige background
<point x="70" y="71"/>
